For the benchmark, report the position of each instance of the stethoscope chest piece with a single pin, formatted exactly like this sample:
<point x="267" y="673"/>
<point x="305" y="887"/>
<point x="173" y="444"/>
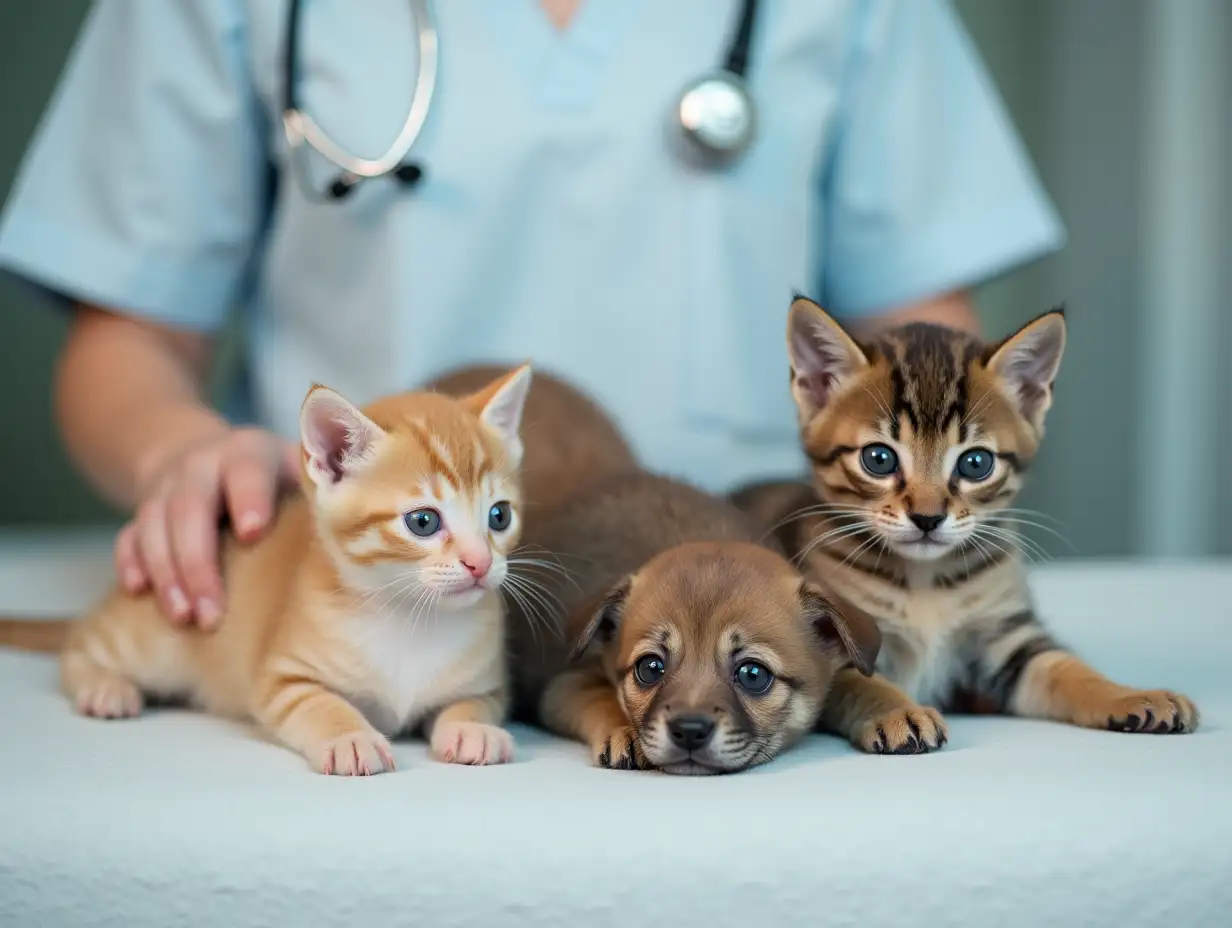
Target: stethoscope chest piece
<point x="717" y="115"/>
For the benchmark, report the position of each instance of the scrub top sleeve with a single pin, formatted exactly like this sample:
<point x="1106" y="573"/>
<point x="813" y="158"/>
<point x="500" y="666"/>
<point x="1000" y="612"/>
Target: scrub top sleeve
<point x="142" y="190"/>
<point x="927" y="188"/>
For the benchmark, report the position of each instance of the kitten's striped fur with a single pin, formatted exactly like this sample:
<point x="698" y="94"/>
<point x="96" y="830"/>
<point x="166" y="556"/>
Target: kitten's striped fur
<point x="343" y="626"/>
<point x="958" y="627"/>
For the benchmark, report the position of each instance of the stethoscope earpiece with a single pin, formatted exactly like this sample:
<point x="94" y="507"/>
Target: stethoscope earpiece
<point x="341" y="188"/>
<point x="408" y="174"/>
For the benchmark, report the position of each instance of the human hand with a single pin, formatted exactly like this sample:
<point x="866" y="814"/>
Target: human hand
<point x="172" y="542"/>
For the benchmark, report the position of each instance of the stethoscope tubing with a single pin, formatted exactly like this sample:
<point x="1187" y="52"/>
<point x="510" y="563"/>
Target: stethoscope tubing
<point x="301" y="128"/>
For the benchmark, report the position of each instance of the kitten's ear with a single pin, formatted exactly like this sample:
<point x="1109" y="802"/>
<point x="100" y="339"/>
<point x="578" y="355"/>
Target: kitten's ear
<point x="605" y="620"/>
<point x="337" y="438"/>
<point x="1027" y="362"/>
<point x="822" y="356"/>
<point x="854" y="633"/>
<point x="500" y="406"/>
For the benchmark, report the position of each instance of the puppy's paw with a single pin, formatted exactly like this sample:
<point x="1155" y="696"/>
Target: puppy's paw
<point x="620" y="750"/>
<point x="911" y="730"/>
<point x="471" y="743"/>
<point x="107" y="696"/>
<point x="1148" y="712"/>
<point x="355" y="754"/>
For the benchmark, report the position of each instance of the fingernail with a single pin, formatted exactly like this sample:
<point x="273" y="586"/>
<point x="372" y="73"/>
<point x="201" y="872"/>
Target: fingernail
<point x="132" y="578"/>
<point x="249" y="522"/>
<point x="207" y="613"/>
<point x="177" y="600"/>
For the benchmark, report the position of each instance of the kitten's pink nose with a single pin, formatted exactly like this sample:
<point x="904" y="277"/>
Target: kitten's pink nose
<point x="476" y="563"/>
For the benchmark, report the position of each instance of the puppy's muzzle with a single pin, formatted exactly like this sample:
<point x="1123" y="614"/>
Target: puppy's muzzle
<point x="690" y="732"/>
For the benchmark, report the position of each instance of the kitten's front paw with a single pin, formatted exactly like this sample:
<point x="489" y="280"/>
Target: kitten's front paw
<point x="914" y="730"/>
<point x="1150" y="712"/>
<point x="620" y="750"/>
<point x="107" y="696"/>
<point x="471" y="743"/>
<point x="355" y="754"/>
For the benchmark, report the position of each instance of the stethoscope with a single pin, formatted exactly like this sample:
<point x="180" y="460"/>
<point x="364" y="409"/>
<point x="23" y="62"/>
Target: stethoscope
<point x="715" y="114"/>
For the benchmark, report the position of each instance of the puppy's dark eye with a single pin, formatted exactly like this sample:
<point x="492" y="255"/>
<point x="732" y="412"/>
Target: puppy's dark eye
<point x="975" y="464"/>
<point x="499" y="516"/>
<point x="754" y="678"/>
<point x="649" y="670"/>
<point x="879" y="460"/>
<point x="423" y="522"/>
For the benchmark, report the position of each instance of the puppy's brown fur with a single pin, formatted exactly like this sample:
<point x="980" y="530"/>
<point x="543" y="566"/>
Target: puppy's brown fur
<point x="569" y="440"/>
<point x="655" y="570"/>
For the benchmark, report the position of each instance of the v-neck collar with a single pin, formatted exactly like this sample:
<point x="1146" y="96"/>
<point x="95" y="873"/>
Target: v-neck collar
<point x="561" y="69"/>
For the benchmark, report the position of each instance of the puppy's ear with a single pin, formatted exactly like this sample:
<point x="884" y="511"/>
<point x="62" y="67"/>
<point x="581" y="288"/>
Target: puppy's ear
<point x="605" y="620"/>
<point x="823" y="357"/>
<point x="856" y="634"/>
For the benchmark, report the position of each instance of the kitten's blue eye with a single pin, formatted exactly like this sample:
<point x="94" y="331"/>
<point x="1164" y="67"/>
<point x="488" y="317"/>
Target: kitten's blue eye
<point x="975" y="464"/>
<point x="754" y="678"/>
<point x="423" y="522"/>
<point x="499" y="516"/>
<point x="879" y="460"/>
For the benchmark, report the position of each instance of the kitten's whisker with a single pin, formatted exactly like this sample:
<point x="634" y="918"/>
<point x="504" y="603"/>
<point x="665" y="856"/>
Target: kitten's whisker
<point x="531" y="604"/>
<point x="1027" y="548"/>
<point x="1030" y="512"/>
<point x="881" y="403"/>
<point x="820" y="510"/>
<point x="533" y="548"/>
<point x="1023" y="542"/>
<point x="985" y="553"/>
<point x="856" y="553"/>
<point x="827" y="538"/>
<point x="360" y="600"/>
<point x="518" y="598"/>
<point x="552" y="603"/>
<point x="1013" y="535"/>
<point x="985" y="398"/>
<point x="996" y="517"/>
<point x="544" y="565"/>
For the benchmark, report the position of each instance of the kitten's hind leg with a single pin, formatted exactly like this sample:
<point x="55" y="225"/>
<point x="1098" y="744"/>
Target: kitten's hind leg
<point x="122" y="650"/>
<point x="469" y="731"/>
<point x="1027" y="673"/>
<point x="879" y="718"/>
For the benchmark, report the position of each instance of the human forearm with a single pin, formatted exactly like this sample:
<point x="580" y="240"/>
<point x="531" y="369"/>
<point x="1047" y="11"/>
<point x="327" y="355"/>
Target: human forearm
<point x="956" y="310"/>
<point x="128" y="399"/>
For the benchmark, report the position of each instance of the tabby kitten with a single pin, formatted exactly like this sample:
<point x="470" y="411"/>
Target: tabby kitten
<point x="919" y="441"/>
<point x="372" y="605"/>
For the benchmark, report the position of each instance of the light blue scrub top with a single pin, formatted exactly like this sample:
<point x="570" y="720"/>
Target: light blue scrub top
<point x="555" y="221"/>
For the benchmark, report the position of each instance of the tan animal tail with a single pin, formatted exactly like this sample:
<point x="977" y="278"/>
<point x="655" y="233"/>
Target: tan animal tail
<point x="43" y="637"/>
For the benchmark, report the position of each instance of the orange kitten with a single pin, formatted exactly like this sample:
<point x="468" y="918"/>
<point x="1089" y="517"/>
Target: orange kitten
<point x="372" y="606"/>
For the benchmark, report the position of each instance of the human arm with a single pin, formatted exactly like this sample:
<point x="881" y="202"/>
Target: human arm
<point x="143" y="191"/>
<point x="131" y="408"/>
<point x="956" y="310"/>
<point x="927" y="190"/>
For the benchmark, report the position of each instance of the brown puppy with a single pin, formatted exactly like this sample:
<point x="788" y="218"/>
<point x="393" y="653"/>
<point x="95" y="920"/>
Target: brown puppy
<point x="676" y="641"/>
<point x="569" y="440"/>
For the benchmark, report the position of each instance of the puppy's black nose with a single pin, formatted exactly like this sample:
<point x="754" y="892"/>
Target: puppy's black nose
<point x="926" y="523"/>
<point x="690" y="732"/>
